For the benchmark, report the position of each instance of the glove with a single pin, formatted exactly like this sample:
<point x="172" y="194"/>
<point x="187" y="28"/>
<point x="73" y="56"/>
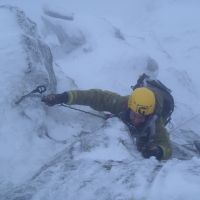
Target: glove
<point x="152" y="150"/>
<point x="53" y="99"/>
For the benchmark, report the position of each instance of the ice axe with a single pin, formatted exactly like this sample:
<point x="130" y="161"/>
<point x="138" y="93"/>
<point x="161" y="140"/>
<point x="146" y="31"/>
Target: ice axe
<point x="194" y="146"/>
<point x="39" y="89"/>
<point x="197" y="145"/>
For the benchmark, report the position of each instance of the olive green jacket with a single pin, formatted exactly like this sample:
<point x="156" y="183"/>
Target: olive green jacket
<point x="108" y="101"/>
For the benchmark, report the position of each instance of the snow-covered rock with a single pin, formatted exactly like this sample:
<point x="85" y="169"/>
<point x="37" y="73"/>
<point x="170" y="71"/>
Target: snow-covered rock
<point x="95" y="44"/>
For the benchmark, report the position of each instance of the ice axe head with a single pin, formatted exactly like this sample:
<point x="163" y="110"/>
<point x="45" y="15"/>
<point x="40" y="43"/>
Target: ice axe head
<point x="40" y="89"/>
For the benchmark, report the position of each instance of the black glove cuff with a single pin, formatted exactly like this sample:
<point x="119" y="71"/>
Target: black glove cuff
<point x="153" y="151"/>
<point x="61" y="98"/>
<point x="159" y="153"/>
<point x="53" y="99"/>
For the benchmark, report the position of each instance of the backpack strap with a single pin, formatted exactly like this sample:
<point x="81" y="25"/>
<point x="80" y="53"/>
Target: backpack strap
<point x="168" y="100"/>
<point x="140" y="82"/>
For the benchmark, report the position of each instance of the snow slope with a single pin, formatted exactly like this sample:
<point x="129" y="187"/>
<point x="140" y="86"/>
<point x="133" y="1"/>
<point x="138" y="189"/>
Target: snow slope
<point x="95" y="44"/>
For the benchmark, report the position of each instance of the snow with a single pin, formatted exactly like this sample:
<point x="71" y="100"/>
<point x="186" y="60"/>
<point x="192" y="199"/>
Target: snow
<point x="95" y="44"/>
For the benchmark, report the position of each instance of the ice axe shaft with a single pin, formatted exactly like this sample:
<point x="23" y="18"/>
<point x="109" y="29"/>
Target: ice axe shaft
<point x="197" y="146"/>
<point x="194" y="146"/>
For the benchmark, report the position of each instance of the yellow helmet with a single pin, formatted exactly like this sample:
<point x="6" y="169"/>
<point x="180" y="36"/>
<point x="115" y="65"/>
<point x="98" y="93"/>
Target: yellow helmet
<point x="142" y="101"/>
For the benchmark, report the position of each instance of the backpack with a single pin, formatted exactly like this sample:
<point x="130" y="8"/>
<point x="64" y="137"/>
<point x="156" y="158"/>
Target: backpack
<point x="168" y="104"/>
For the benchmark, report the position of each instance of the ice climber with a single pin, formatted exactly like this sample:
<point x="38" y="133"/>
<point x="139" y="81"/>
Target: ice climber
<point x="145" y="112"/>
